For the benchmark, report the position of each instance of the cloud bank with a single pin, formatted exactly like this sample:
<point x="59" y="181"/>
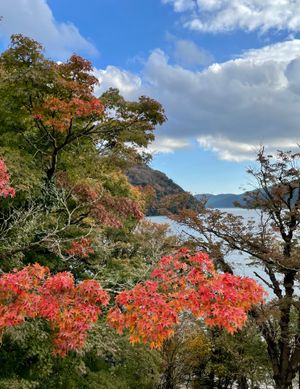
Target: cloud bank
<point x="216" y="16"/>
<point x="231" y="108"/>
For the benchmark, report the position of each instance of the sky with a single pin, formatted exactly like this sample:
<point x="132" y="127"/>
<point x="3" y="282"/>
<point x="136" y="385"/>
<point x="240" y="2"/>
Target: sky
<point x="226" y="71"/>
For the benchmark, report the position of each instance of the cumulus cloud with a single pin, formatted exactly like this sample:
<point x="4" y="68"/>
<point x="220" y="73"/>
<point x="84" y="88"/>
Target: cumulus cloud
<point x="228" y="150"/>
<point x="227" y="15"/>
<point x="34" y="18"/>
<point x="231" y="108"/>
<point x="181" y="5"/>
<point x="188" y="54"/>
<point x="167" y="145"/>
<point x="112" y="77"/>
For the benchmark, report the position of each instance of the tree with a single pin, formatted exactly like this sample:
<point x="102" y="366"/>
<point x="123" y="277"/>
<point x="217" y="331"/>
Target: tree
<point x="51" y="106"/>
<point x="185" y="354"/>
<point x="273" y="245"/>
<point x="180" y="283"/>
<point x="66" y="150"/>
<point x="238" y="360"/>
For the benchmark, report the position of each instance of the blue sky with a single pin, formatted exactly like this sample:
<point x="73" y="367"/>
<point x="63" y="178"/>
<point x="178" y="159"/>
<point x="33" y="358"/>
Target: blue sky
<point x="226" y="71"/>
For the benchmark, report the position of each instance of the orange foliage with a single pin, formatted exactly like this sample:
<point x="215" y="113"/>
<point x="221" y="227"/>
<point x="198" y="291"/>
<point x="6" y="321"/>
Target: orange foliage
<point x="74" y="97"/>
<point x="70" y="309"/>
<point x="81" y="248"/>
<point x="180" y="283"/>
<point x="149" y="311"/>
<point x="59" y="114"/>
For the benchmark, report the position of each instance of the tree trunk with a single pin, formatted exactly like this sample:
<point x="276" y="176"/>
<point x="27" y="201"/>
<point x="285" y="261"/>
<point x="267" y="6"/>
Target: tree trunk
<point x="283" y="385"/>
<point x="242" y="383"/>
<point x="53" y="163"/>
<point x="168" y="382"/>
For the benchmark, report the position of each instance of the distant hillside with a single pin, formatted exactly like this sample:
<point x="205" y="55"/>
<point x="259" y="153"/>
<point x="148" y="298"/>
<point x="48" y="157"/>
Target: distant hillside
<point x="225" y="200"/>
<point x="228" y="200"/>
<point x="160" y="182"/>
<point x="164" y="186"/>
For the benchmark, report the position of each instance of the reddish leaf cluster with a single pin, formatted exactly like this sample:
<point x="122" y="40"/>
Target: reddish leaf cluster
<point x="76" y="77"/>
<point x="5" y="189"/>
<point x="108" y="210"/>
<point x="70" y="309"/>
<point x="72" y="96"/>
<point x="81" y="248"/>
<point x="180" y="283"/>
<point x="59" y="113"/>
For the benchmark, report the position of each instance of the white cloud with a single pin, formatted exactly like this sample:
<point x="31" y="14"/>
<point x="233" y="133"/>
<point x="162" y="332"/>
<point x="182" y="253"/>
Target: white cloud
<point x="34" y="18"/>
<point x="113" y="77"/>
<point x="227" y="15"/>
<point x="187" y="53"/>
<point x="230" y="108"/>
<point x="180" y="5"/>
<point x="278" y="52"/>
<point x="293" y="75"/>
<point x="228" y="150"/>
<point x="167" y="145"/>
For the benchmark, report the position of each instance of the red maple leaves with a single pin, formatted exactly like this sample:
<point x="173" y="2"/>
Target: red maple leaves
<point x="59" y="113"/>
<point x="81" y="248"/>
<point x="180" y="283"/>
<point x="73" y="99"/>
<point x="106" y="209"/>
<point x="149" y="311"/>
<point x="5" y="189"/>
<point x="70" y="309"/>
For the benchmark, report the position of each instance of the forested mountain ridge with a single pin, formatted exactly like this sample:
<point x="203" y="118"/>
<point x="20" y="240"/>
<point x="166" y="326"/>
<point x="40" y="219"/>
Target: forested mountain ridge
<point x="163" y="186"/>
<point x="230" y="200"/>
<point x="144" y="176"/>
<point x="224" y="200"/>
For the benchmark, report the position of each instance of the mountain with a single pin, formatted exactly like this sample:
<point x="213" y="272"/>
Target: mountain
<point x="225" y="200"/>
<point x="143" y="176"/>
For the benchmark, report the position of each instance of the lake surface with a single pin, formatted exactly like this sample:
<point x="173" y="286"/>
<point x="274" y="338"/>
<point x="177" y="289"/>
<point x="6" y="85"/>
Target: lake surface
<point x="239" y="261"/>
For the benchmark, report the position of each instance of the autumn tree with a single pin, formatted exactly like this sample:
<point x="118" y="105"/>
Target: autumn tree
<point x="53" y="107"/>
<point x="183" y="283"/>
<point x="272" y="243"/>
<point x="66" y="150"/>
<point x="70" y="309"/>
